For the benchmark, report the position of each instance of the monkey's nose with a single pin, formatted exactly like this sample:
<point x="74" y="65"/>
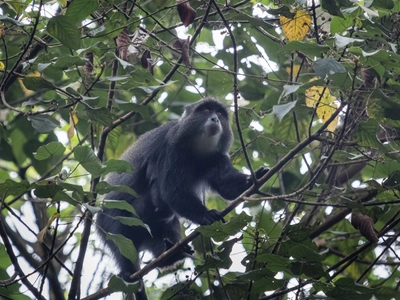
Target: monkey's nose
<point x="215" y="119"/>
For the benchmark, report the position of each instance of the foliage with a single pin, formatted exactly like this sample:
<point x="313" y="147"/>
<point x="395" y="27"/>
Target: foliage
<point x="317" y="85"/>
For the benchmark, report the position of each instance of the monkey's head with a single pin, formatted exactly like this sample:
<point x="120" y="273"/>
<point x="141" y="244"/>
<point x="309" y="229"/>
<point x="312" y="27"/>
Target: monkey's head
<point x="204" y="128"/>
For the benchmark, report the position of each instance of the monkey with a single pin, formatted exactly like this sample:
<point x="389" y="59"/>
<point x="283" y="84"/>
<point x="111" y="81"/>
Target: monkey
<point x="174" y="165"/>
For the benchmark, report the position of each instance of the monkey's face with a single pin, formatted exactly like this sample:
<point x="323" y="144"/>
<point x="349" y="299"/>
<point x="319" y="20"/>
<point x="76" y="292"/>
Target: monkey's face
<point x="212" y="124"/>
<point x="208" y="136"/>
<point x="204" y="128"/>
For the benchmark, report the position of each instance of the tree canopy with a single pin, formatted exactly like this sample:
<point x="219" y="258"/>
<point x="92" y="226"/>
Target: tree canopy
<point x="313" y="87"/>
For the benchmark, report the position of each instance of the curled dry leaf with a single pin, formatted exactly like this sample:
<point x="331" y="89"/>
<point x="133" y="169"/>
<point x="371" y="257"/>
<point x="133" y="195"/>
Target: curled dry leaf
<point x="184" y="46"/>
<point x="152" y="63"/>
<point x="186" y="12"/>
<point x="123" y="42"/>
<point x="365" y="225"/>
<point x="139" y="38"/>
<point x="88" y="67"/>
<point x="185" y="53"/>
<point x="144" y="60"/>
<point x="178" y="43"/>
<point x="367" y="76"/>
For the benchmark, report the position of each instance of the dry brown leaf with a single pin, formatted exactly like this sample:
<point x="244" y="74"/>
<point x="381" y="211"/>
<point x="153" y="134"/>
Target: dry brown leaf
<point x="185" y="53"/>
<point x="186" y="12"/>
<point x="144" y="60"/>
<point x="365" y="225"/>
<point x="367" y="76"/>
<point x="123" y="42"/>
<point x="88" y="67"/>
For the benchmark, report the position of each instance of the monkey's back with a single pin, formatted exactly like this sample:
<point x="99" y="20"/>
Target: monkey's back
<point x="147" y="157"/>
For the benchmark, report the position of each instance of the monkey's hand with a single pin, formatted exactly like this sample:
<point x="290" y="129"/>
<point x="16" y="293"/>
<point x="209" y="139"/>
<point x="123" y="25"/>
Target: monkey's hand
<point x="259" y="173"/>
<point x="212" y="216"/>
<point x="187" y="251"/>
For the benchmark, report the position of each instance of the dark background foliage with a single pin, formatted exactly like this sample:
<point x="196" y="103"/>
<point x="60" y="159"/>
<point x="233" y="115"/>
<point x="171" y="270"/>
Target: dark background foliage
<point x="81" y="80"/>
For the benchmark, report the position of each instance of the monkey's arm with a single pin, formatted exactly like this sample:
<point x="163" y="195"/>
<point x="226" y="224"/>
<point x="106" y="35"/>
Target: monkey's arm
<point x="229" y="182"/>
<point x="184" y="201"/>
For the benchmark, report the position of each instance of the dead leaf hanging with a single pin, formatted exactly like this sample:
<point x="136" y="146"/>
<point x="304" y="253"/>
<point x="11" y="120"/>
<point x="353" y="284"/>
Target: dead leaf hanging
<point x="186" y="12"/>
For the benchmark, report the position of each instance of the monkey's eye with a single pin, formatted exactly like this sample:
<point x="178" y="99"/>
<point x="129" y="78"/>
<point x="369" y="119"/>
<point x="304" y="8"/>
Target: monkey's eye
<point x="206" y="111"/>
<point x="219" y="114"/>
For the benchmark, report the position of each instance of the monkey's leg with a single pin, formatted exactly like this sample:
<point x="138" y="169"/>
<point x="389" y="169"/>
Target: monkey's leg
<point x="166" y="235"/>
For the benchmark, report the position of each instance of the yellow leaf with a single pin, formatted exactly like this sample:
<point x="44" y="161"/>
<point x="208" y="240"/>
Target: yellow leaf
<point x="42" y="232"/>
<point x="325" y="111"/>
<point x="24" y="89"/>
<point x="326" y="106"/>
<point x="296" y="70"/>
<point x="62" y="2"/>
<point x="33" y="74"/>
<point x="1" y="66"/>
<point x="296" y="29"/>
<point x="73" y="119"/>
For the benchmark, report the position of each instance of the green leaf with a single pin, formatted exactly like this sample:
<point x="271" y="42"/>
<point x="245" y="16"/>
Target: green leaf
<point x="79" y="10"/>
<point x="331" y="7"/>
<point x="311" y="269"/>
<point x="151" y="88"/>
<point x="347" y="289"/>
<point x="47" y="190"/>
<point x="282" y="110"/>
<point x="220" y="259"/>
<point x="117" y="78"/>
<point x="298" y="232"/>
<point x="365" y="134"/>
<point x="125" y="246"/>
<point x="78" y="195"/>
<point x="12" y="21"/>
<point x="143" y="110"/>
<point x="289" y="89"/>
<point x="117" y="284"/>
<point x="101" y="115"/>
<point x="63" y="196"/>
<point x="327" y="66"/>
<point x="88" y="160"/>
<point x="35" y="83"/>
<point x="63" y="28"/>
<point x="119" y="204"/>
<point x="43" y="123"/>
<point x="11" y="187"/>
<point x="386" y="4"/>
<point x="113" y="138"/>
<point x="338" y="25"/>
<point x="274" y="263"/>
<point x="49" y="150"/>
<point x="103" y="188"/>
<point x="118" y="166"/>
<point x="341" y="41"/>
<point x="283" y="10"/>
<point x="255" y="274"/>
<point x="302" y="252"/>
<point x="67" y="61"/>
<point x="307" y="48"/>
<point x="220" y="231"/>
<point x="123" y="63"/>
<point x="132" y="221"/>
